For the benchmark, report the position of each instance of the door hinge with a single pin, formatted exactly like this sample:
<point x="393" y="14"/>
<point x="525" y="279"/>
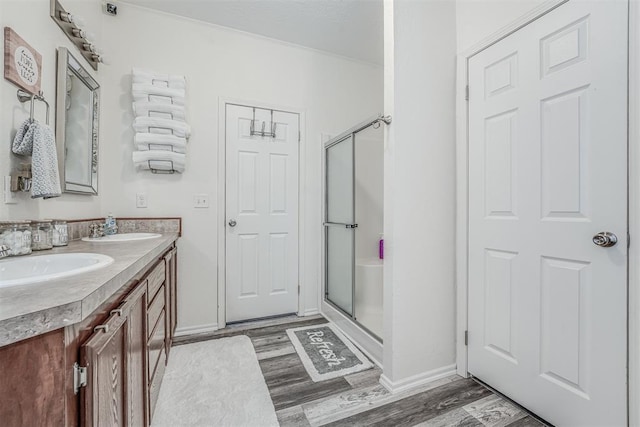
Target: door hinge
<point x="79" y="377"/>
<point x="298" y="289"/>
<point x="466" y="93"/>
<point x="299" y="136"/>
<point x="628" y="240"/>
<point x="466" y="337"/>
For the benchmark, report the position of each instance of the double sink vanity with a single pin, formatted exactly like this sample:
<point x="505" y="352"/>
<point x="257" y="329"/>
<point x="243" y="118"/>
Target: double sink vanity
<point x="86" y="330"/>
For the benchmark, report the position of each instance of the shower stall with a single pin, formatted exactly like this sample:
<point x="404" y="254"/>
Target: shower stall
<point x="353" y="227"/>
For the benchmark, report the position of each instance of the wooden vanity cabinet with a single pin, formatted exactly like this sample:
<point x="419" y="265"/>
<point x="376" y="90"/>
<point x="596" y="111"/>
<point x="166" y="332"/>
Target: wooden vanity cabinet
<point x="123" y="345"/>
<point x="126" y="357"/>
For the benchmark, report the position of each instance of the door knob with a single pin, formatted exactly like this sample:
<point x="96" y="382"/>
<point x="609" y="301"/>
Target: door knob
<point x="605" y="239"/>
<point x="232" y="223"/>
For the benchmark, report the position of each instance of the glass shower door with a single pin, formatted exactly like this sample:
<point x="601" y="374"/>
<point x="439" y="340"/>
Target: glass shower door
<point x="340" y="224"/>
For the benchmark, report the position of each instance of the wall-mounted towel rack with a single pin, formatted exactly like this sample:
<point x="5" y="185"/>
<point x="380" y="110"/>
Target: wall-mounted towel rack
<point x="159" y="166"/>
<point x="161" y="129"/>
<point x="24" y="96"/>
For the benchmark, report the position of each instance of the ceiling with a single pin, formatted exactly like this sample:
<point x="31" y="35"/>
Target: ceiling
<point x="351" y="28"/>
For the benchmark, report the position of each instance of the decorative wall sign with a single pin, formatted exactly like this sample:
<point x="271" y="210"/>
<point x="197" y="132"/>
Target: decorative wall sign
<point x="22" y="63"/>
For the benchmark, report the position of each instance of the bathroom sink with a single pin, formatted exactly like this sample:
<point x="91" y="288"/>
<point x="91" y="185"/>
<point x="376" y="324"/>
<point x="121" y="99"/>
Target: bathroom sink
<point x="32" y="269"/>
<point x="123" y="237"/>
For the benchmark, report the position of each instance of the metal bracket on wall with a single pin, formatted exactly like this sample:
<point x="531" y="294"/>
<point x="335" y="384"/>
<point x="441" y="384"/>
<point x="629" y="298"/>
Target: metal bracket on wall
<point x="21" y="179"/>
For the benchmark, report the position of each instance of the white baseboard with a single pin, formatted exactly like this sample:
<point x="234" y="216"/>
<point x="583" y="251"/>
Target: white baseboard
<point x="418" y="380"/>
<point x="310" y="312"/>
<point x="194" y="330"/>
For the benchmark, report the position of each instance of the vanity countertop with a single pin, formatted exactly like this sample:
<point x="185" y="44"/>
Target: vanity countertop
<point x="34" y="309"/>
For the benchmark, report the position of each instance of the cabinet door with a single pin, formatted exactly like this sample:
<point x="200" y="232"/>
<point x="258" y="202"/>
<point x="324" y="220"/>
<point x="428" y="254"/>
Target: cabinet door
<point x="136" y="308"/>
<point x="32" y="381"/>
<point x="116" y="360"/>
<point x="103" y="400"/>
<point x="171" y="294"/>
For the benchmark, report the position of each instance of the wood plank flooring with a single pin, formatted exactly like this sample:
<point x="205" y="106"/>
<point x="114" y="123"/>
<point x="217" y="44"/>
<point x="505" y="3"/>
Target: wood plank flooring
<point x="359" y="399"/>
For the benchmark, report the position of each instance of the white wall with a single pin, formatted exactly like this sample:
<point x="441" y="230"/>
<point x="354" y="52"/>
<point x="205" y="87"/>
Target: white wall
<point x="335" y="93"/>
<point x="31" y="20"/>
<point x="479" y="19"/>
<point x="419" y="213"/>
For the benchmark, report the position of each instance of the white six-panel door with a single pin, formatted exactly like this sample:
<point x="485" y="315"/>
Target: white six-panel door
<point x="261" y="214"/>
<point x="548" y="171"/>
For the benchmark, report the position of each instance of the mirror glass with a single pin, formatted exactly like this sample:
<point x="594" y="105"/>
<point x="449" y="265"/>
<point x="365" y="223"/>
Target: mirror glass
<point x="77" y="115"/>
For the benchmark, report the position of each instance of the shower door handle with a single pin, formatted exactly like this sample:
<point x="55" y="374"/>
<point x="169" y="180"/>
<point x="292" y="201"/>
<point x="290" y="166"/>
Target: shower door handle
<point x="339" y="224"/>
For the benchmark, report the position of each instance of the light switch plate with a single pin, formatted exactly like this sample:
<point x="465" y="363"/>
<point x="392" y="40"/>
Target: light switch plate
<point x="9" y="196"/>
<point x="141" y="200"/>
<point x="201" y="201"/>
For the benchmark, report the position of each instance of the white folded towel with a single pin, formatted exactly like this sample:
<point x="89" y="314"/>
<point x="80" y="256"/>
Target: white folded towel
<point x="38" y="141"/>
<point x="157" y="109"/>
<point x="159" y="160"/>
<point x="161" y="126"/>
<point x="154" y="141"/>
<point x="151" y="93"/>
<point x="156" y="79"/>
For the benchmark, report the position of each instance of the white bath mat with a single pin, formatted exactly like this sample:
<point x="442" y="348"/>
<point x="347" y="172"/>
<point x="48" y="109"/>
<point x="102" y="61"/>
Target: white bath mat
<point x="214" y="383"/>
<point x="326" y="353"/>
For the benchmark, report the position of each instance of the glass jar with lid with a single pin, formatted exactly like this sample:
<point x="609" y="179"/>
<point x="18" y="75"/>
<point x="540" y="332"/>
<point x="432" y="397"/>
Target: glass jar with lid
<point x="16" y="235"/>
<point x="42" y="235"/>
<point x="60" y="232"/>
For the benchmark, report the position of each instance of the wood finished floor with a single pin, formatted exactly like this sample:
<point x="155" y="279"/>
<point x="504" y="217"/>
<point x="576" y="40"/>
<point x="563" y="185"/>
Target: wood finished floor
<point x="359" y="399"/>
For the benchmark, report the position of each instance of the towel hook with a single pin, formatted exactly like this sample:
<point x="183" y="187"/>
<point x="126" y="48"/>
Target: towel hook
<point x="262" y="132"/>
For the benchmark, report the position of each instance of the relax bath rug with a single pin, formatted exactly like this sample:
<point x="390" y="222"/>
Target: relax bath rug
<point x="215" y="383"/>
<point x="326" y="353"/>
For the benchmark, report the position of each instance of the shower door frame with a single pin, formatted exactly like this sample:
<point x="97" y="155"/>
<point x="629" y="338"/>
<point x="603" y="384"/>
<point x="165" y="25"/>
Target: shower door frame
<point x="354" y="226"/>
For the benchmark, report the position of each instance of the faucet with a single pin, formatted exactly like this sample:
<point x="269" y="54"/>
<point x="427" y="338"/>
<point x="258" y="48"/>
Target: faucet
<point x="4" y="251"/>
<point x="96" y="230"/>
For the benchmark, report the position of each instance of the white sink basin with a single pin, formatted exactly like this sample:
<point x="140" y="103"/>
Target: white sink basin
<point x="124" y="237"/>
<point x="32" y="269"/>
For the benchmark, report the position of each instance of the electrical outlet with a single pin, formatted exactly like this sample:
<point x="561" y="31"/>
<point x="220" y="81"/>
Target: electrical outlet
<point x="9" y="196"/>
<point x="201" y="201"/>
<point x="141" y="200"/>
